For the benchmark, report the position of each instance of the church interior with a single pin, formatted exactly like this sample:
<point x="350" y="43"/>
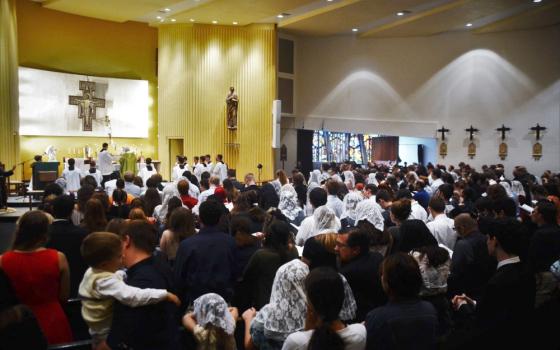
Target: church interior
<point x="269" y="90"/>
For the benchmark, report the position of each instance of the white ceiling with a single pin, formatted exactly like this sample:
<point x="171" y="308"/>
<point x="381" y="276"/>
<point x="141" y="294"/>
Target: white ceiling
<point x="369" y="18"/>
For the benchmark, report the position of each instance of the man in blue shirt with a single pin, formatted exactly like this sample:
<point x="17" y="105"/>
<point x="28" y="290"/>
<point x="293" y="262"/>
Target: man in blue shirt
<point x="205" y="262"/>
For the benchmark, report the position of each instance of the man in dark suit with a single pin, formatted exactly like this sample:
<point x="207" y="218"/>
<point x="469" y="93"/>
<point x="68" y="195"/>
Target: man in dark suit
<point x="544" y="248"/>
<point x="67" y="238"/>
<point x="361" y="269"/>
<point x="504" y="311"/>
<point x="233" y="179"/>
<point x="205" y="262"/>
<point x="471" y="266"/>
<point x="145" y="327"/>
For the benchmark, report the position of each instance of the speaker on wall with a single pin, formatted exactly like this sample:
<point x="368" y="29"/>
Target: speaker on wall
<point x="276" y="120"/>
<point x="421" y="154"/>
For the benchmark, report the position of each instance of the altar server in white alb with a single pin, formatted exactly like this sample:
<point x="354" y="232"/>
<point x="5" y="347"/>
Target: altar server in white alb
<point x="105" y="162"/>
<point x="220" y="169"/>
<point x="146" y="172"/>
<point x="72" y="176"/>
<point x="200" y="167"/>
<point x="179" y="168"/>
<point x="93" y="171"/>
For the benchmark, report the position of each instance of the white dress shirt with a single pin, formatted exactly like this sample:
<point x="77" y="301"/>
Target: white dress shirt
<point x="513" y="260"/>
<point x="418" y="212"/>
<point x="335" y="204"/>
<point x="443" y="229"/>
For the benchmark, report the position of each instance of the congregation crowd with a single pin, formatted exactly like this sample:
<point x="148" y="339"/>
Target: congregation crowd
<point x="346" y="257"/>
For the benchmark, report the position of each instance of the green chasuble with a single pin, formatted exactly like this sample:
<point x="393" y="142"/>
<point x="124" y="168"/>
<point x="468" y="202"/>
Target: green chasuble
<point x="128" y="163"/>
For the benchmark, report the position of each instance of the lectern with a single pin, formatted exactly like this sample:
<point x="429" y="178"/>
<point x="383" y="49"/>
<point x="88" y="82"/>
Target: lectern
<point x="44" y="173"/>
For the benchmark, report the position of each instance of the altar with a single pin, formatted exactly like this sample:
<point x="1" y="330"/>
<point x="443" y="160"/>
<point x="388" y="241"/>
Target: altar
<point x="83" y="164"/>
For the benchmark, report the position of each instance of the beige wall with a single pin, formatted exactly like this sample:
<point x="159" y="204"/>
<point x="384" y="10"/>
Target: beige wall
<point x="197" y="65"/>
<point x="412" y="86"/>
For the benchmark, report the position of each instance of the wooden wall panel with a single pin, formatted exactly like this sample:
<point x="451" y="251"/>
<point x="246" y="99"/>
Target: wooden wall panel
<point x="9" y="151"/>
<point x="197" y="65"/>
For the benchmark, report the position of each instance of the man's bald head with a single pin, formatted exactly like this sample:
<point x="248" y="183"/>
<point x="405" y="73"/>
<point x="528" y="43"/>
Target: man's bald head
<point x="465" y="224"/>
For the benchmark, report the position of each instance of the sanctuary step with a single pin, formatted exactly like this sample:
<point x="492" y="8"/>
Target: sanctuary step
<point x="23" y="201"/>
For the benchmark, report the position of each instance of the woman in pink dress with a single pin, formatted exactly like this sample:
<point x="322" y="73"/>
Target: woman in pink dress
<point x="40" y="277"/>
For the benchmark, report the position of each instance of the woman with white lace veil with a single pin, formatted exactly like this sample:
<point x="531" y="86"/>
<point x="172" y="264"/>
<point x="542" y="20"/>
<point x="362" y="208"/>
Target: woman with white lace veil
<point x="212" y="323"/>
<point x="351" y="201"/>
<point x="285" y="314"/>
<point x="371" y="179"/>
<point x="169" y="191"/>
<point x="349" y="180"/>
<point x="325" y="220"/>
<point x="289" y="205"/>
<point x="370" y="211"/>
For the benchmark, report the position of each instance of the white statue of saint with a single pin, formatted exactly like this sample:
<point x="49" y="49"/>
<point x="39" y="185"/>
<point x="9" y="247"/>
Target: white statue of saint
<point x="51" y="153"/>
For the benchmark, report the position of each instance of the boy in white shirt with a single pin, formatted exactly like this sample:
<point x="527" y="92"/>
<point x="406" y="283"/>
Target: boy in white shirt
<point x="103" y="283"/>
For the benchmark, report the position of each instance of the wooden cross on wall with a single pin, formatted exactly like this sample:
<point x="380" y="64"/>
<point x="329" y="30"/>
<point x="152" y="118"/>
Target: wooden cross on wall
<point x="503" y="130"/>
<point x="87" y="104"/>
<point x="538" y="129"/>
<point x="471" y="130"/>
<point x="443" y="130"/>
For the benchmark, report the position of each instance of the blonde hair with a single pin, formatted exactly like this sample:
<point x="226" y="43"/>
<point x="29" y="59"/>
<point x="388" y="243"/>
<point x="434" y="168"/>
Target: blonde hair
<point x="327" y="240"/>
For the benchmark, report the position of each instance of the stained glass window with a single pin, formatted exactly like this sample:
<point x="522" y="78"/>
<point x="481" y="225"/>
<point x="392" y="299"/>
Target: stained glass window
<point x="319" y="147"/>
<point x="341" y="146"/>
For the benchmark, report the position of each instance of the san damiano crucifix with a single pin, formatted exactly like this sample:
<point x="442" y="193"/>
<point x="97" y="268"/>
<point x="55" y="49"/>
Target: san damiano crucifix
<point x="87" y="104"/>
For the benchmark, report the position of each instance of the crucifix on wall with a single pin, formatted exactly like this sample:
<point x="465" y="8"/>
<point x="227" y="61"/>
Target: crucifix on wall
<point x="87" y="104"/>
<point x="471" y="151"/>
<point x="503" y="148"/>
<point x="443" y="145"/>
<point x="537" y="147"/>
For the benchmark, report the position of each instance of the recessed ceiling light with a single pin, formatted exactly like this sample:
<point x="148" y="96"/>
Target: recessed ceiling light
<point x="280" y="16"/>
<point x="234" y="23"/>
<point x="354" y="29"/>
<point x="173" y="20"/>
<point x="166" y="10"/>
<point x="402" y="13"/>
<point x="214" y="22"/>
<point x="537" y="1"/>
<point x="329" y="0"/>
<point x="192" y="19"/>
<point x="468" y="25"/>
<point x="158" y="17"/>
<point x="162" y="20"/>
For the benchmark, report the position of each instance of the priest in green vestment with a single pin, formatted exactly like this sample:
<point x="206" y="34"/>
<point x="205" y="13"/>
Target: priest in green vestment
<point x="128" y="161"/>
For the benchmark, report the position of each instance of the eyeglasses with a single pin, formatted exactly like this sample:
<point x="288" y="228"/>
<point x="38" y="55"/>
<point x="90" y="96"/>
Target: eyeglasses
<point x="341" y="245"/>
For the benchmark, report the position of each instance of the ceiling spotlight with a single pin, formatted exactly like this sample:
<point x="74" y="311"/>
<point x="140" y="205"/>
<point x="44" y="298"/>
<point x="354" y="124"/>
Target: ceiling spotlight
<point x="173" y="20"/>
<point x="280" y="16"/>
<point x="234" y="23"/>
<point x="162" y="20"/>
<point x="354" y="29"/>
<point x="468" y="25"/>
<point x="192" y="19"/>
<point x="329" y="0"/>
<point x="214" y="22"/>
<point x="166" y="10"/>
<point x="537" y="1"/>
<point x="158" y="17"/>
<point x="403" y="12"/>
<point x="400" y="13"/>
